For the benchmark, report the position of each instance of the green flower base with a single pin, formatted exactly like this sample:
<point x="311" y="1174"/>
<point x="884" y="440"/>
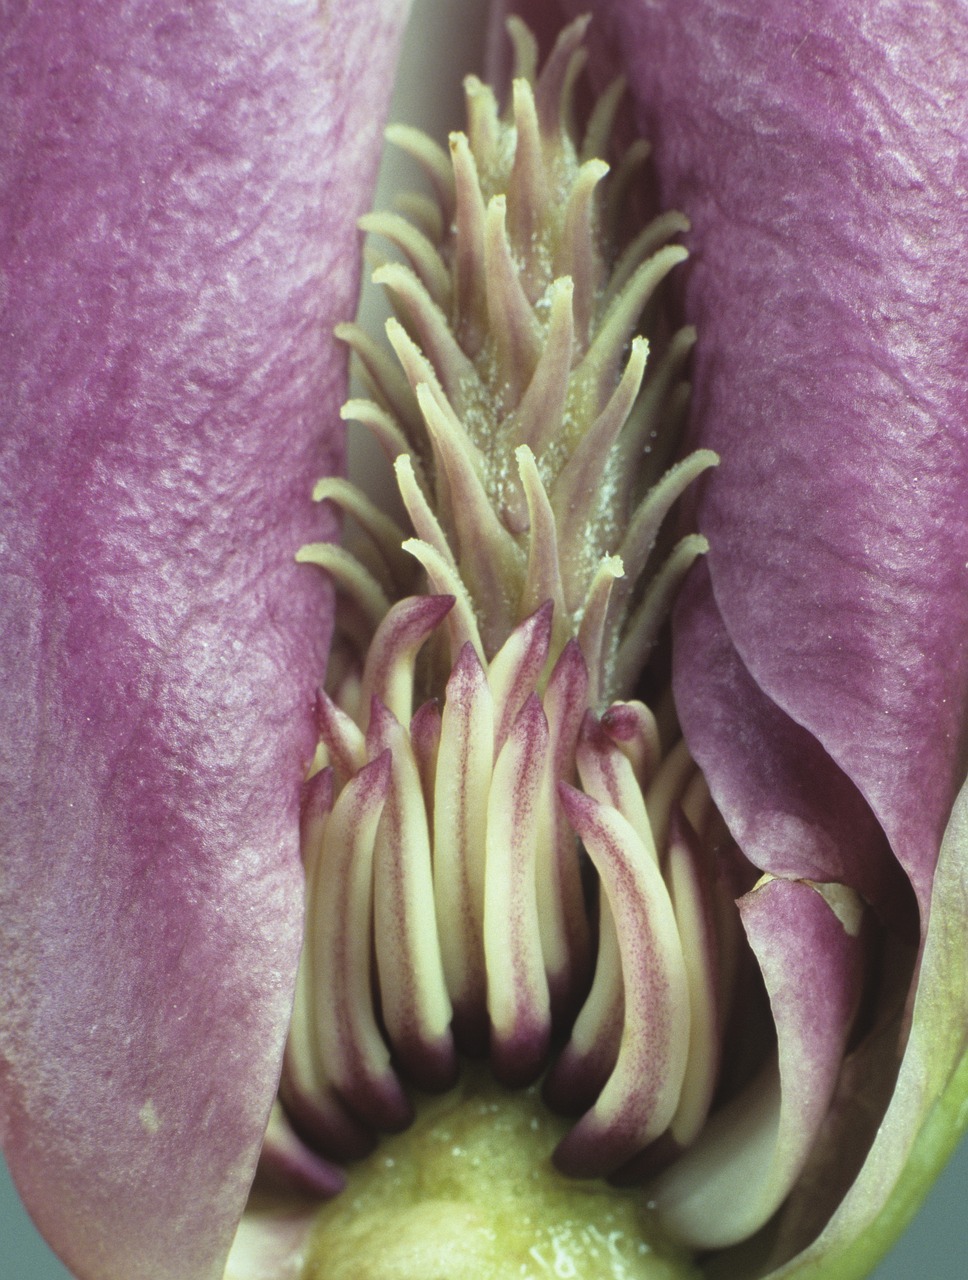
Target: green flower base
<point x="469" y="1193"/>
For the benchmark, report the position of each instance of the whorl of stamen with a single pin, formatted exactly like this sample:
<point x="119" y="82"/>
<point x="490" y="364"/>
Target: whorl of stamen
<point x="448" y="834"/>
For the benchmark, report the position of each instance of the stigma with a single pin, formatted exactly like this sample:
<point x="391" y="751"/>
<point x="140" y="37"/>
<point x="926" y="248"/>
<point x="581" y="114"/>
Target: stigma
<point x="509" y="856"/>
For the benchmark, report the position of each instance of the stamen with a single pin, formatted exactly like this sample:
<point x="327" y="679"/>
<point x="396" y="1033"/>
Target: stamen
<point x="513" y="673"/>
<point x="426" y="320"/>
<point x="554" y="88"/>
<point x="388" y="675"/>
<point x="461" y="797"/>
<point x="384" y="534"/>
<point x="543" y="579"/>
<point x="414" y="1000"/>
<point x="483" y="127"/>
<point x="607" y="776"/>
<point x="633" y="729"/>
<point x="525" y="50"/>
<point x="351" y="1055"/>
<point x="423" y="211"/>
<point x="562" y="912"/>
<point x="346" y="570"/>
<point x="644" y="626"/>
<point x="518" y="997"/>
<point x="602" y="121"/>
<point x="413" y="491"/>
<point x="512" y="323"/>
<point x="692" y="883"/>
<point x="578" y="250"/>
<point x="344" y="743"/>
<point x="470" y="274"/>
<point x="641" y="1095"/>
<point x="444" y="578"/>
<point x="527" y="190"/>
<point x="622" y="316"/>
<point x="381" y="425"/>
<point x="645" y="524"/>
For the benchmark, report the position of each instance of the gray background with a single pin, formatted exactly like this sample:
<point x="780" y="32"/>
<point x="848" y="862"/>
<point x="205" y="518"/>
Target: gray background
<point x="934" y="1248"/>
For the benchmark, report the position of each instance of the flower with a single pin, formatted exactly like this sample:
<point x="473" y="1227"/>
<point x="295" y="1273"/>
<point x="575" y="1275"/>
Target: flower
<point x="180" y="191"/>
<point x="166" y="298"/>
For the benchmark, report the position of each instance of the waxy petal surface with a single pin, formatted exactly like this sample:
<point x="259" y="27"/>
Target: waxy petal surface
<point x="177" y="238"/>
<point x="792" y="810"/>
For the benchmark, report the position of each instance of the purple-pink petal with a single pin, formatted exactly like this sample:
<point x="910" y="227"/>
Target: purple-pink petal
<point x="176" y="239"/>
<point x="810" y="951"/>
<point x="792" y="810"/>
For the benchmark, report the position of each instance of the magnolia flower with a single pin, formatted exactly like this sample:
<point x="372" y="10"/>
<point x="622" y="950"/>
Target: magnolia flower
<point x="181" y="190"/>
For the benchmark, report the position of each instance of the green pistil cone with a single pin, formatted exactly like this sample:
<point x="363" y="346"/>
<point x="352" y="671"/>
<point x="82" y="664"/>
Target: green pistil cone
<point x="520" y="389"/>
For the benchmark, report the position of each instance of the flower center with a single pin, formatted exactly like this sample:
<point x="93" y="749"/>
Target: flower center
<point x="506" y="854"/>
